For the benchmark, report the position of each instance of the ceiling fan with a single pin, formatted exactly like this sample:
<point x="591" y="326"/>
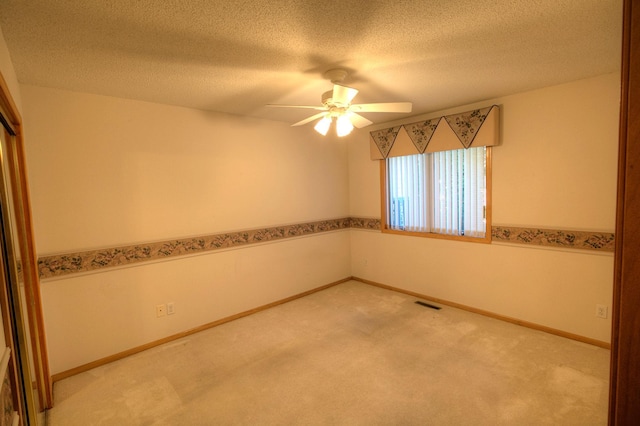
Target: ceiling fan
<point x="336" y="104"/>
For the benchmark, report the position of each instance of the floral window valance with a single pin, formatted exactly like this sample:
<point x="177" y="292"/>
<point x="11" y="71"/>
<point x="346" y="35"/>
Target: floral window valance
<point x="473" y="128"/>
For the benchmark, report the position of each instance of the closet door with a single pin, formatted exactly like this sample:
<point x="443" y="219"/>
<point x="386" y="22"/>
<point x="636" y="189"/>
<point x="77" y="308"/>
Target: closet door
<point x="22" y="309"/>
<point x="12" y="395"/>
<point x="27" y="378"/>
<point x="17" y="391"/>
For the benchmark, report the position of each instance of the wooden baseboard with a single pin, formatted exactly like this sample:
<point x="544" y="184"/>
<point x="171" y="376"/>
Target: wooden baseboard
<point x="132" y="351"/>
<point x="527" y="324"/>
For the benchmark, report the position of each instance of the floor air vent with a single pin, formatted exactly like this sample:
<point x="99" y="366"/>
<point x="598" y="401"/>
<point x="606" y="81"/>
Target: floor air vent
<point x="427" y="305"/>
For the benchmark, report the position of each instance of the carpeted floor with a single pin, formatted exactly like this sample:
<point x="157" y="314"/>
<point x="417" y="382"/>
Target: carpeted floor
<point x="353" y="354"/>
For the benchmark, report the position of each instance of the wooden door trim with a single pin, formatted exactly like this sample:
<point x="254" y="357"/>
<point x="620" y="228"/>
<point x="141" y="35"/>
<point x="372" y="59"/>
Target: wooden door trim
<point x="9" y="110"/>
<point x="624" y="392"/>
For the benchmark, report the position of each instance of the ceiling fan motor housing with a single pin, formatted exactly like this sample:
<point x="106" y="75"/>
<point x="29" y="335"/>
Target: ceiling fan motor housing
<point x="335" y="108"/>
<point x="335" y="76"/>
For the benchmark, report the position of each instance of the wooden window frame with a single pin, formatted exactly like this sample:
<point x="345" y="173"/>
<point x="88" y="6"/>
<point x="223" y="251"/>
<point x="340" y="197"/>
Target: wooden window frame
<point x="383" y="210"/>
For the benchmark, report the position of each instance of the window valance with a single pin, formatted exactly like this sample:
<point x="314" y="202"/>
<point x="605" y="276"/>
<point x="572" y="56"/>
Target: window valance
<point x="473" y="128"/>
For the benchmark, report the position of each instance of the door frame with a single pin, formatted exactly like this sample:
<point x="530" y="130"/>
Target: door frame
<point x="26" y="243"/>
<point x="624" y="392"/>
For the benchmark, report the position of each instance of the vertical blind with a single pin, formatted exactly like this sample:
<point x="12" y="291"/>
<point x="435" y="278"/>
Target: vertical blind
<point x="442" y="192"/>
<point x="408" y="186"/>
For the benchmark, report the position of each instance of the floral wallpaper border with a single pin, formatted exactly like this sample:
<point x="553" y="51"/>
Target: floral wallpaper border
<point x="69" y="263"/>
<point x="600" y="241"/>
<point x="6" y="394"/>
<point x="6" y="399"/>
<point x="92" y="260"/>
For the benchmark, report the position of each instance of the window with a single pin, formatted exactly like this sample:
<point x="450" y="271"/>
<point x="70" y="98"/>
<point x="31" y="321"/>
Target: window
<point x="442" y="194"/>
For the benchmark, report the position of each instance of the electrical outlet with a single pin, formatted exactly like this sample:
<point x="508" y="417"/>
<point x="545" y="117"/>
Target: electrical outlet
<point x="161" y="310"/>
<point x="601" y="311"/>
<point x="171" y="308"/>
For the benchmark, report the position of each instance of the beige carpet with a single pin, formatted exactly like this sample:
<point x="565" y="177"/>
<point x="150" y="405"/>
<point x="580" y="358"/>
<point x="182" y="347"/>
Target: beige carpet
<point x="350" y="355"/>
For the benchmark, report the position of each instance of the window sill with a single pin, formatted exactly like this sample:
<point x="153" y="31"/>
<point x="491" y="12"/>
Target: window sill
<point x="484" y="240"/>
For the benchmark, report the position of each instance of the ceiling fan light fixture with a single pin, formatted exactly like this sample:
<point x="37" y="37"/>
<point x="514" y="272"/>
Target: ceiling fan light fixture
<point x="337" y="103"/>
<point x="322" y="126"/>
<point x="343" y="126"/>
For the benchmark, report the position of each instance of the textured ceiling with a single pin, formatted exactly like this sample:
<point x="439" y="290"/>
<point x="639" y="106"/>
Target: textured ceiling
<point x="235" y="56"/>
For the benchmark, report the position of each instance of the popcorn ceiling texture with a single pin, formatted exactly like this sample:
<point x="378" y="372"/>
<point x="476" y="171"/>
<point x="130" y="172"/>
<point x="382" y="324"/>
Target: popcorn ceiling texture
<point x="94" y="260"/>
<point x="237" y="56"/>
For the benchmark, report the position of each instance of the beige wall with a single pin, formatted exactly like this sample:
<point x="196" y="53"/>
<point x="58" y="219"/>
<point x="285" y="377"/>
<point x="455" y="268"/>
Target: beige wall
<point x="8" y="72"/>
<point x="96" y="315"/>
<point x="106" y="172"/>
<point x="556" y="168"/>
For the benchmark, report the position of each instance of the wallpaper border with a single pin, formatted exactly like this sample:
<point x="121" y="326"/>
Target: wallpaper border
<point x="85" y="261"/>
<point x="584" y="240"/>
<point x="93" y="260"/>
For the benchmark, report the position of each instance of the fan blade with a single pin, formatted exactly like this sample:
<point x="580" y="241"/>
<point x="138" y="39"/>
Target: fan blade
<point x="319" y="108"/>
<point x="383" y="107"/>
<point x="358" y="120"/>
<point x="343" y="94"/>
<point x="309" y="119"/>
